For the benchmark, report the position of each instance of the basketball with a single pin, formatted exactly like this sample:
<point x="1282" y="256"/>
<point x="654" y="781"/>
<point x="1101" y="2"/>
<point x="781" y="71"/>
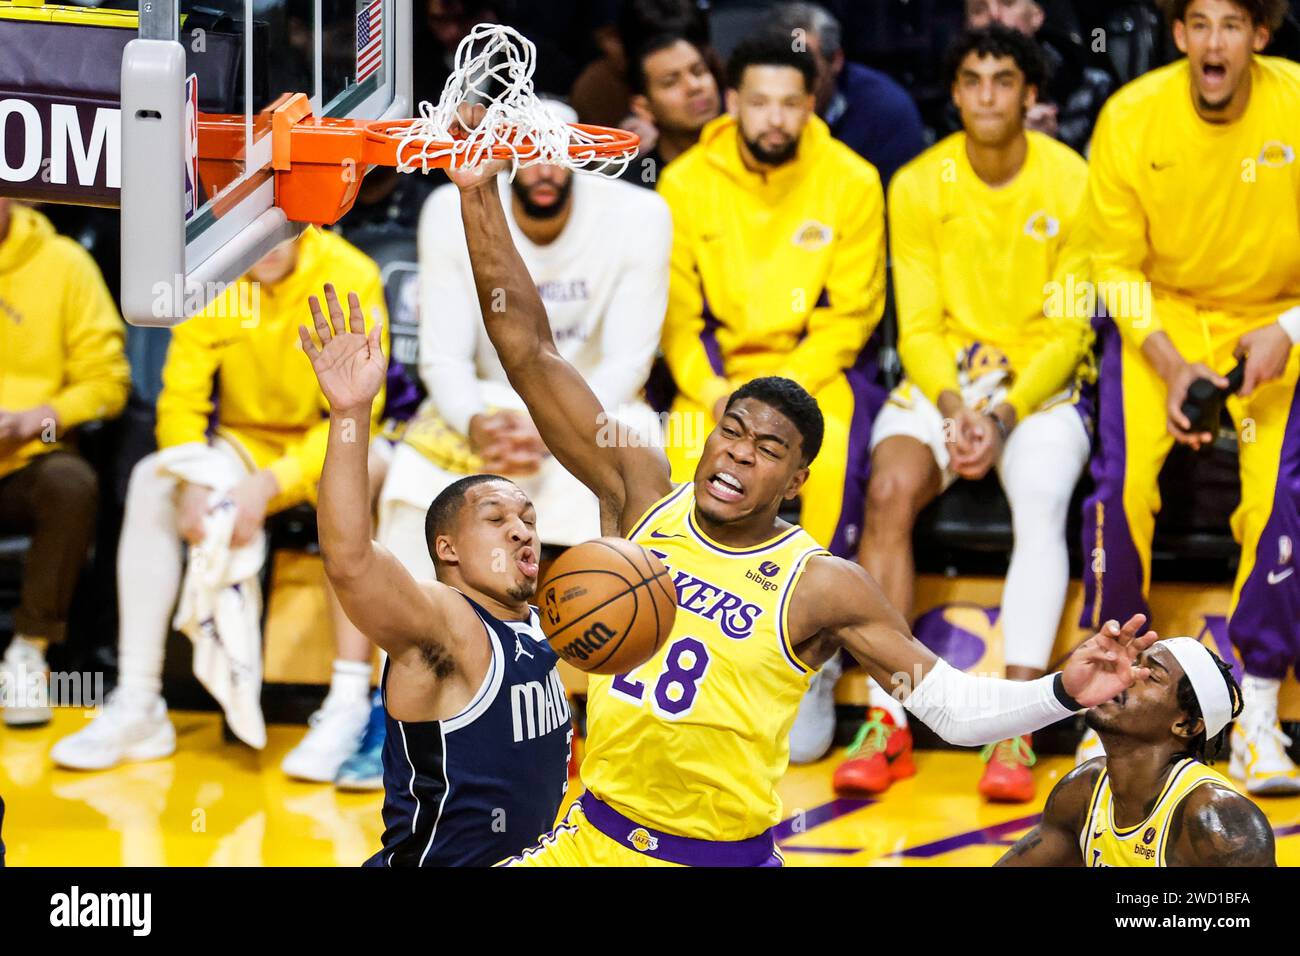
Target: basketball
<point x="607" y="606"/>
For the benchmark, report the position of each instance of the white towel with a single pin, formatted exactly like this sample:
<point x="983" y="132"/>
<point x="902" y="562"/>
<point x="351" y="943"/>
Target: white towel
<point x="220" y="607"/>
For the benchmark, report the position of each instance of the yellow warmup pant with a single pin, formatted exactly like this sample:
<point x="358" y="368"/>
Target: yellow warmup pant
<point x="1119" y="518"/>
<point x="833" y="500"/>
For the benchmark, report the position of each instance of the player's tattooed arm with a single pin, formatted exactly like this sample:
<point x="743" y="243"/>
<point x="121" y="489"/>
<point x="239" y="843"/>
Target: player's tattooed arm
<point x="626" y="473"/>
<point x="1055" y="841"/>
<point x="1216" y="826"/>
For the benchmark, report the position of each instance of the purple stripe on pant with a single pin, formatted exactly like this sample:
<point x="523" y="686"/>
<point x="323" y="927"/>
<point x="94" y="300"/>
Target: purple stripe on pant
<point x="1265" y="622"/>
<point x="868" y="399"/>
<point x="756" y="851"/>
<point x="1112" y="567"/>
<point x="709" y="336"/>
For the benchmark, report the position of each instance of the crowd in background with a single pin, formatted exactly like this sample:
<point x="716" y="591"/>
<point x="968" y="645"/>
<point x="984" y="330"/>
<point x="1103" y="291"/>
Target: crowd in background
<point x="751" y="236"/>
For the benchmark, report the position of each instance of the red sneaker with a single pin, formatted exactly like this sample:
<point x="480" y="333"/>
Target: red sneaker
<point x="1007" y="778"/>
<point x="880" y="754"/>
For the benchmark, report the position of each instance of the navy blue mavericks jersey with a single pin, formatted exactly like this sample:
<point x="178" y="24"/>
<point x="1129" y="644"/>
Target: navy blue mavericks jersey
<point x="483" y="785"/>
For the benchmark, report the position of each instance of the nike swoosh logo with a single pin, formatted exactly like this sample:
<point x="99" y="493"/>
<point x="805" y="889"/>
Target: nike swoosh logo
<point x="1097" y="836"/>
<point x="1160" y="167"/>
<point x="1276" y="578"/>
<point x="656" y="534"/>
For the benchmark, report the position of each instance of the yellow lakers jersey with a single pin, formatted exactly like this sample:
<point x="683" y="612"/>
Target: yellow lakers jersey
<point x="1105" y="844"/>
<point x="694" y="741"/>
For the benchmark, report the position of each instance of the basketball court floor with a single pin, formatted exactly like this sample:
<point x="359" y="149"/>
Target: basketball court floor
<point x="219" y="804"/>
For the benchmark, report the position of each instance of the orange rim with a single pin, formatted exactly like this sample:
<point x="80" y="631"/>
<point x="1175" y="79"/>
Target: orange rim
<point x="319" y="161"/>
<point x="611" y="143"/>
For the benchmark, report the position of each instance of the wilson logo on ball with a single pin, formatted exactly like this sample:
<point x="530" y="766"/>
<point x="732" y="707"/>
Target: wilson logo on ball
<point x="592" y="640"/>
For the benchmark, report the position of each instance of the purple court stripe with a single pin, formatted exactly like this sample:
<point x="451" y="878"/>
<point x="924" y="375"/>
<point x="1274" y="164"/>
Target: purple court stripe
<point x="993" y="834"/>
<point x="825" y="813"/>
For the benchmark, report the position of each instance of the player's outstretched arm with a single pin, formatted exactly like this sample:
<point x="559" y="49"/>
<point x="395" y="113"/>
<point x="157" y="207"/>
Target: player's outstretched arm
<point x="1055" y="841"/>
<point x="1216" y="826"/>
<point x="837" y="604"/>
<point x="376" y="591"/>
<point x="624" y="472"/>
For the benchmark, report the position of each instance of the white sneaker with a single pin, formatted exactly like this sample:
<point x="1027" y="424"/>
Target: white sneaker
<point x="25" y="686"/>
<point x="335" y="735"/>
<point x="1259" y="756"/>
<point x="129" y="728"/>
<point x="1089" y="747"/>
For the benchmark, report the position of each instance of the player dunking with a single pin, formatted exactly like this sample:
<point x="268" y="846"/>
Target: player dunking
<point x="478" y="731"/>
<point x="1151" y="801"/>
<point x="684" y="753"/>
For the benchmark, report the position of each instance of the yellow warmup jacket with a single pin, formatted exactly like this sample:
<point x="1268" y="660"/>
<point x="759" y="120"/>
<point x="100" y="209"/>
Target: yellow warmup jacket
<point x="242" y="358"/>
<point x="974" y="264"/>
<point x="1209" y="213"/>
<point x="61" y="338"/>
<point x="771" y="274"/>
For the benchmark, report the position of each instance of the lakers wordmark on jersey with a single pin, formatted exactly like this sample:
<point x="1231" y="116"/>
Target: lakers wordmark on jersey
<point x="694" y="741"/>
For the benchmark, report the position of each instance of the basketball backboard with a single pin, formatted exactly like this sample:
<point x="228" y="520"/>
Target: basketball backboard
<point x="197" y="88"/>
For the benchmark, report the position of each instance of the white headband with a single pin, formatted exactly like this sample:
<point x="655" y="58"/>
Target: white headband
<point x="1207" y="681"/>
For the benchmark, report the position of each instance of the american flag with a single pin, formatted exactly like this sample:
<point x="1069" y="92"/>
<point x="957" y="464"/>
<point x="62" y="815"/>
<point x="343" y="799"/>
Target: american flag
<point x="370" y="39"/>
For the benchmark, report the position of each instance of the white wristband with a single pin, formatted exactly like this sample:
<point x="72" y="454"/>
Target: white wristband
<point x="1290" y="322"/>
<point x="970" y="711"/>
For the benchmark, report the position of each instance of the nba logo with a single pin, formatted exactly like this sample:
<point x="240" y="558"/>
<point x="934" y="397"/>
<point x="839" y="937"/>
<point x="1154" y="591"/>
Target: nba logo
<point x="191" y="146"/>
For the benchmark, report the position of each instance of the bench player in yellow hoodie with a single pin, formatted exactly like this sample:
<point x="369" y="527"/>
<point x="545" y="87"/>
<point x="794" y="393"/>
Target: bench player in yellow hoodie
<point x="684" y="753"/>
<point x="1194" y="196"/>
<point x="234" y="378"/>
<point x="61" y="365"/>
<point x="981" y="225"/>
<point x="778" y="268"/>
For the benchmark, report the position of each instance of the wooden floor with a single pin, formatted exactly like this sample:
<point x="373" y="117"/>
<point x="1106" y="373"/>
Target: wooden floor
<point x="220" y="804"/>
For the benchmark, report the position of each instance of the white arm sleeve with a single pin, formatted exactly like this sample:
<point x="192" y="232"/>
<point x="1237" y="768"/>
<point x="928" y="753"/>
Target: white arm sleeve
<point x="970" y="711"/>
<point x="449" y="312"/>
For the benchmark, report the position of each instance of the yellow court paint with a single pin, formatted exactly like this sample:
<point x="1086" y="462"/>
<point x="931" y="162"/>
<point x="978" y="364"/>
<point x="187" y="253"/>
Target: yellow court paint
<point x="218" y="804"/>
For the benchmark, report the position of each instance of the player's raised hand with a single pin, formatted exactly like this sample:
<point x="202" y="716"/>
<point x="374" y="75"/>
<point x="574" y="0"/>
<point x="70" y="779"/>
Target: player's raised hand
<point x="485" y="169"/>
<point x="1105" y="665"/>
<point x="349" y="364"/>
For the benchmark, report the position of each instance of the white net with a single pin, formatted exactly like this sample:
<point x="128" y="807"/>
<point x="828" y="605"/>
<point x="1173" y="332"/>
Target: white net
<point x="494" y="66"/>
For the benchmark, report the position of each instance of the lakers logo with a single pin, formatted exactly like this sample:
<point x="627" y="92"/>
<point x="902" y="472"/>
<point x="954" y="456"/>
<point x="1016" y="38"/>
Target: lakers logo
<point x="813" y="235"/>
<point x="1042" y="227"/>
<point x="1276" y="155"/>
<point x="642" y="841"/>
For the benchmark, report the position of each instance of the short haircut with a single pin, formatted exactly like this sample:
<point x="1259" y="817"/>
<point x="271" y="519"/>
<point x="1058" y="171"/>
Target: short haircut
<point x="1262" y="13"/>
<point x="793" y="401"/>
<point x="812" y="17"/>
<point x="996" y="40"/>
<point x="636" y="78"/>
<point x="444" y="511"/>
<point x="1199" y="747"/>
<point x="770" y="49"/>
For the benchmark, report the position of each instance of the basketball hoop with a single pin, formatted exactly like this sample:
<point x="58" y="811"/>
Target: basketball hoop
<point x="319" y="162"/>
